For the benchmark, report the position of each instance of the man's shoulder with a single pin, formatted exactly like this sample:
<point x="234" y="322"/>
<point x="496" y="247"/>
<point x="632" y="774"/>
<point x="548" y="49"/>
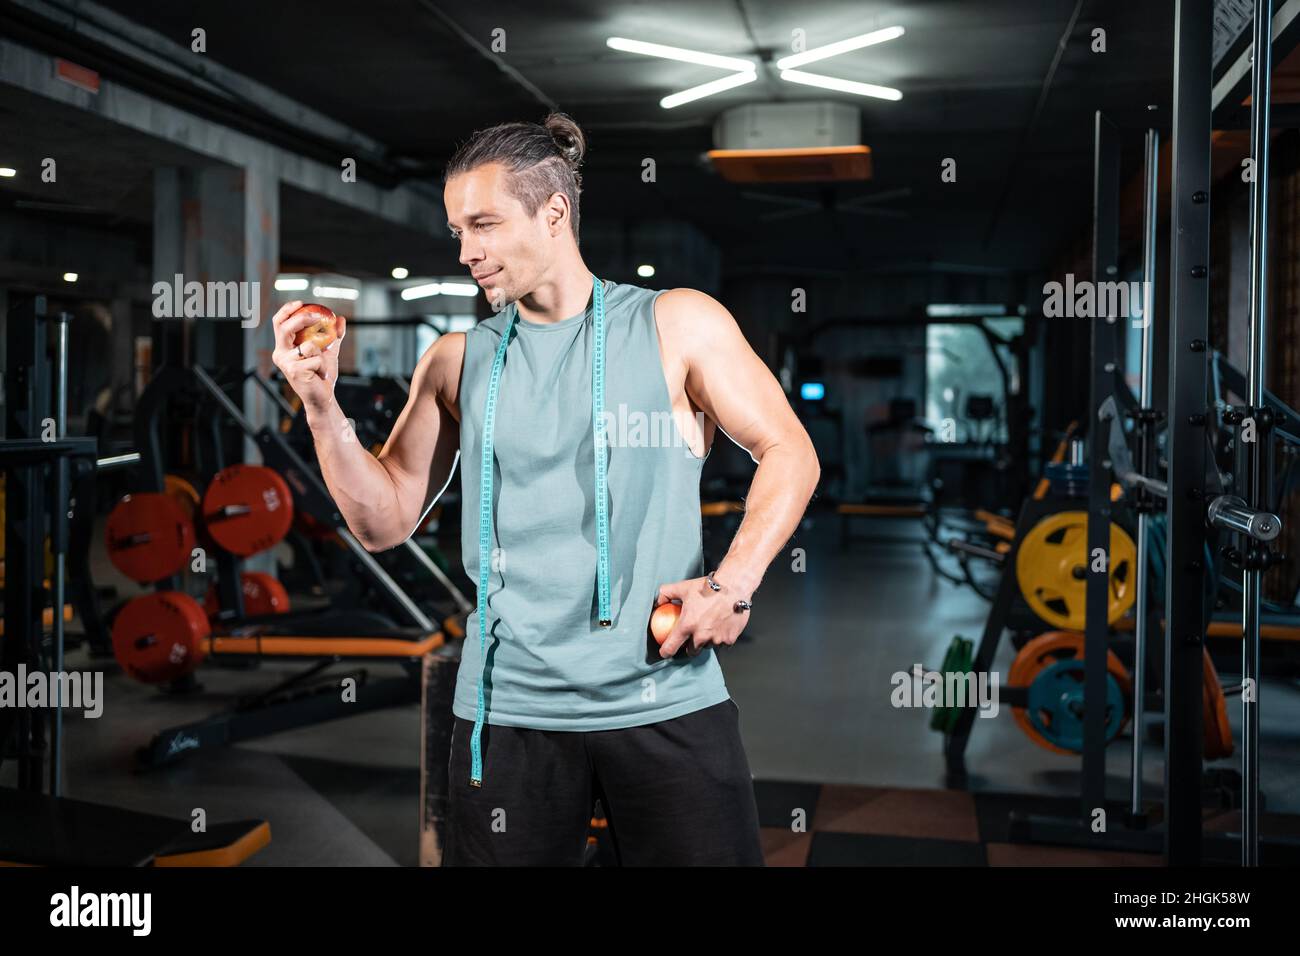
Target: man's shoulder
<point x="682" y="311"/>
<point x="684" y="301"/>
<point x="442" y="364"/>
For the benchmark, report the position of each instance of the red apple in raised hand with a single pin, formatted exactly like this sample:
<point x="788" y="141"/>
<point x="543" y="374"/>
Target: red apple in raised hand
<point x="323" y="332"/>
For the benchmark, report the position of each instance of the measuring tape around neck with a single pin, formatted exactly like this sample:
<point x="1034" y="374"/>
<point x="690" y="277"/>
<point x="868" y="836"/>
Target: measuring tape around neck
<point x="485" y="500"/>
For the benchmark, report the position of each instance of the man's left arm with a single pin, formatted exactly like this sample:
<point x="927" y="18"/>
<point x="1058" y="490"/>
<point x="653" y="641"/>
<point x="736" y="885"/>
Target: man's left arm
<point x="735" y="388"/>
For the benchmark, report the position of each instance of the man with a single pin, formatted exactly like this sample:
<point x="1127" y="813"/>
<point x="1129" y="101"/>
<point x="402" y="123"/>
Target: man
<point x="562" y="696"/>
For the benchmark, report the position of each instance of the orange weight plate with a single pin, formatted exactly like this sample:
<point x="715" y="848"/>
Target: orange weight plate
<point x="263" y="595"/>
<point x="1214" y="714"/>
<point x="159" y="637"/>
<point x="1044" y="651"/>
<point x="148" y="537"/>
<point x="247" y="509"/>
<point x="183" y="493"/>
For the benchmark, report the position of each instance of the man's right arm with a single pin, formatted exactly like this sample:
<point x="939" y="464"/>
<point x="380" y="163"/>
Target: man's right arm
<point x="383" y="498"/>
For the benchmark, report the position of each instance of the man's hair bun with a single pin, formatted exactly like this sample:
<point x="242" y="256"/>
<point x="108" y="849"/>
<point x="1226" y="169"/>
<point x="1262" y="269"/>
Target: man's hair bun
<point x="567" y="136"/>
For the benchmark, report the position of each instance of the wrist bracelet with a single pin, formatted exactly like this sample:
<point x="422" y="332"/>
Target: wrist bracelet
<point x="739" y="606"/>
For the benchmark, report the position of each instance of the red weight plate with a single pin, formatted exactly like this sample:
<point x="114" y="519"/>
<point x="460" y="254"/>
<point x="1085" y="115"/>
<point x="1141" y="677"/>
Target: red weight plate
<point x="148" y="537"/>
<point x="247" y="509"/>
<point x="159" y="637"/>
<point x="263" y="595"/>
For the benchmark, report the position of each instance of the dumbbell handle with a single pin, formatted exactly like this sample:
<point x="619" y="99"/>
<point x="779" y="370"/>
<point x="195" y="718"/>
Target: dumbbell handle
<point x="956" y="545"/>
<point x="227" y="512"/>
<point x="1231" y="513"/>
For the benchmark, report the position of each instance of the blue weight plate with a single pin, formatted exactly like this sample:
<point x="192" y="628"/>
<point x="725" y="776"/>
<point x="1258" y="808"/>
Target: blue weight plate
<point x="1055" y="707"/>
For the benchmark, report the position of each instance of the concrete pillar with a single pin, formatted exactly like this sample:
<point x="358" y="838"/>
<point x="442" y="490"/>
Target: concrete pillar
<point x="221" y="225"/>
<point x="261" y="251"/>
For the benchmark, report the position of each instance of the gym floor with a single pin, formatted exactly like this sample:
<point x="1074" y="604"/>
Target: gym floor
<point x="819" y="732"/>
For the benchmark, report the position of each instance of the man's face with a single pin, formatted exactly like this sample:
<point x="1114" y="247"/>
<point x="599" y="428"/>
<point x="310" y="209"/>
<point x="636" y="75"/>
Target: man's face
<point x="505" y="249"/>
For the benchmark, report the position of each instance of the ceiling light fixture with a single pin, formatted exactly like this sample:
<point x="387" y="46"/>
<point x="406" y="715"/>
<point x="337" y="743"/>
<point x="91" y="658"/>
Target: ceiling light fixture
<point x="707" y="89"/>
<point x="421" y="291"/>
<point x="956" y="310"/>
<point x="746" y="71"/>
<point x="466" y="289"/>
<point x="841" y="86"/>
<point x="334" y="292"/>
<point x="680" y="54"/>
<point x="841" y="46"/>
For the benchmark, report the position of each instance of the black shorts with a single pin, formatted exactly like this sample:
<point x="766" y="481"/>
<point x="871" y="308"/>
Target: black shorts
<point x="675" y="793"/>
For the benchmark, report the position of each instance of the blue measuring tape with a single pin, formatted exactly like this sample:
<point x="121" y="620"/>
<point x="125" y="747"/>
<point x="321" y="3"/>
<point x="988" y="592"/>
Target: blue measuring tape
<point x="485" y="501"/>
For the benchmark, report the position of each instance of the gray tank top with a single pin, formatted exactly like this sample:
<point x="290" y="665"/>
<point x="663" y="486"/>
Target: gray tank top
<point x="550" y="666"/>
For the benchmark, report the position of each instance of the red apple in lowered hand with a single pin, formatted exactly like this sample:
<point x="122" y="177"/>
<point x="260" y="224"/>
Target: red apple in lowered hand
<point x="663" y="619"/>
<point x="323" y="332"/>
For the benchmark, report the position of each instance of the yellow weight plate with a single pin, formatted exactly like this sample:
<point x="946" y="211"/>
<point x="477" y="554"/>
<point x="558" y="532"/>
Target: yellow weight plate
<point x="1052" y="564"/>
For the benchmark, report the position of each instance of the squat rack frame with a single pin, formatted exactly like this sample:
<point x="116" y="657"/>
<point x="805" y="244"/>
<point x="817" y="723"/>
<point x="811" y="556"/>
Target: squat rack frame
<point x="1192" y="508"/>
<point x="1192" y="505"/>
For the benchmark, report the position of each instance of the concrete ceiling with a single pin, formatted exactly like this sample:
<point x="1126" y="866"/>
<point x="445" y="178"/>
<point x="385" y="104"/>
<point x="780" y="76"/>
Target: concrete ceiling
<point x="407" y="73"/>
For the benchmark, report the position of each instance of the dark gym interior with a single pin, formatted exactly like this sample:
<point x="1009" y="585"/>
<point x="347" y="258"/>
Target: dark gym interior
<point x="1003" y="262"/>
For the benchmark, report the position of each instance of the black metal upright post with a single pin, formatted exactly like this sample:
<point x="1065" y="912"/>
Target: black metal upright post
<point x="1105" y="352"/>
<point x="1146" y="620"/>
<point x="1256" y="492"/>
<point x="1189" y="333"/>
<point x="62" y="481"/>
<point x="26" y="398"/>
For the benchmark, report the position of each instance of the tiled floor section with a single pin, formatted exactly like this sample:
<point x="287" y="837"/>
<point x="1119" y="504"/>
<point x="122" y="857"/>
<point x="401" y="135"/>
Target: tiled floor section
<point x="834" y="825"/>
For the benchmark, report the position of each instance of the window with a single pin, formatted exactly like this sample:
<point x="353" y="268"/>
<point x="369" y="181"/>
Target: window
<point x="963" y="383"/>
